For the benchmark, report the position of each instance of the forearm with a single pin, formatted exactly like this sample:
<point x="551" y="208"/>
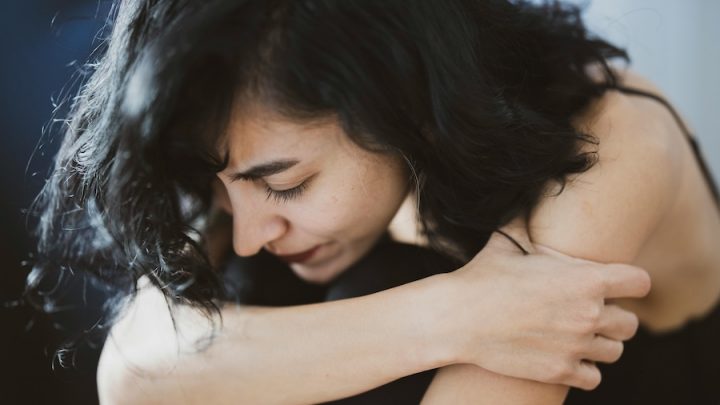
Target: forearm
<point x="338" y="349"/>
<point x="469" y="384"/>
<point x="301" y="354"/>
<point x="525" y="316"/>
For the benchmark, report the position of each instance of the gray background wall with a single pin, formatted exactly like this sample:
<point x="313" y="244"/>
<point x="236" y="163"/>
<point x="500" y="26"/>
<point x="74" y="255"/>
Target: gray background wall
<point x="675" y="44"/>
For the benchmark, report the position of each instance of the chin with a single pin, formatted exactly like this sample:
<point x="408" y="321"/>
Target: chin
<point x="319" y="274"/>
<point x="328" y="270"/>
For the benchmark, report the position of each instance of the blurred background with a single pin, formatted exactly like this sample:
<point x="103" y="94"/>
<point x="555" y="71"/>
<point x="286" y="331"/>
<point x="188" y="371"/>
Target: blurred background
<point x="674" y="44"/>
<point x="43" y="45"/>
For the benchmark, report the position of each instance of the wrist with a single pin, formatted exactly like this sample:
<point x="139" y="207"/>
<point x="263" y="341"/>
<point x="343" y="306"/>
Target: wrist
<point x="436" y="316"/>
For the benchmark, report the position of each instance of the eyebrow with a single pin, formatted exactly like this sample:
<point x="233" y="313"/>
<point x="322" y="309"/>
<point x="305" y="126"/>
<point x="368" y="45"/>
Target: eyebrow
<point x="264" y="170"/>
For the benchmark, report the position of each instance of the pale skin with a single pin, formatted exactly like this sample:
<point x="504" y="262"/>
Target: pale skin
<point x="603" y="215"/>
<point x="332" y="350"/>
<point x="645" y="203"/>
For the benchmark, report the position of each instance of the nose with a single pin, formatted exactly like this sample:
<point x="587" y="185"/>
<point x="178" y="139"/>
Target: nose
<point x="254" y="226"/>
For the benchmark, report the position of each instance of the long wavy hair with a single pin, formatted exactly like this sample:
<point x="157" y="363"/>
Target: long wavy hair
<point x="477" y="96"/>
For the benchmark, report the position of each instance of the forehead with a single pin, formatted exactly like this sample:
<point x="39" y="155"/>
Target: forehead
<point x="256" y="134"/>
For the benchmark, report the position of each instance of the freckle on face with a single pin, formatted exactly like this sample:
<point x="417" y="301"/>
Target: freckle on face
<point x="345" y="209"/>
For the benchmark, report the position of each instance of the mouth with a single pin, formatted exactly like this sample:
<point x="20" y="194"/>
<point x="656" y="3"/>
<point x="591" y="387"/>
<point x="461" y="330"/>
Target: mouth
<point x="299" y="257"/>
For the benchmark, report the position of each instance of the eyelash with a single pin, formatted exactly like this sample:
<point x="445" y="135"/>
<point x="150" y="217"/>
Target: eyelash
<point x="286" y="195"/>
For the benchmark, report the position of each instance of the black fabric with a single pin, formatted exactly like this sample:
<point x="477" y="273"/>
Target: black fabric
<point x="677" y="368"/>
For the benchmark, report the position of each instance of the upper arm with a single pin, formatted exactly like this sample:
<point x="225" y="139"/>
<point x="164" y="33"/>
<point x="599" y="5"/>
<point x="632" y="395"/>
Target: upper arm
<point x="607" y="213"/>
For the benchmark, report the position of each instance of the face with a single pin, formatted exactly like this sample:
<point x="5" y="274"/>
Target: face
<point x="308" y="191"/>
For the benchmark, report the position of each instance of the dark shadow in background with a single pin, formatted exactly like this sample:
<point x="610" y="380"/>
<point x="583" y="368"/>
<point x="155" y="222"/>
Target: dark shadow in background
<point x="38" y="57"/>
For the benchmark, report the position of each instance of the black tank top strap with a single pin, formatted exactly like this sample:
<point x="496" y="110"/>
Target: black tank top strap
<point x="693" y="141"/>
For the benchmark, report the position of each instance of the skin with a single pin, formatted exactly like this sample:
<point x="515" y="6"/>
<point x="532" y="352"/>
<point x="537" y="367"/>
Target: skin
<point x="557" y="222"/>
<point x="349" y="195"/>
<point x="631" y="207"/>
<point x="341" y="216"/>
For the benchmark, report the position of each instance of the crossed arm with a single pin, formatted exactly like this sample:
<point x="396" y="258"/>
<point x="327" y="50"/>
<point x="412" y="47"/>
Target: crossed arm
<point x="331" y="350"/>
<point x="605" y="215"/>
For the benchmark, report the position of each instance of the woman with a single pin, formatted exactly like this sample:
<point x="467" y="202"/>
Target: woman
<point x="482" y="109"/>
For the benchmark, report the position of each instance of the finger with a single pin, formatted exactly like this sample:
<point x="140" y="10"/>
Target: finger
<point x="605" y="350"/>
<point x="621" y="280"/>
<point x="624" y="280"/>
<point x="543" y="249"/>
<point x="555" y="253"/>
<point x="617" y="323"/>
<point x="587" y="376"/>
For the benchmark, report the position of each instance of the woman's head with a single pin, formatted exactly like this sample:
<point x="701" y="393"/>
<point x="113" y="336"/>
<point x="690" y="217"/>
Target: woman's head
<point x="291" y="187"/>
<point x="471" y="100"/>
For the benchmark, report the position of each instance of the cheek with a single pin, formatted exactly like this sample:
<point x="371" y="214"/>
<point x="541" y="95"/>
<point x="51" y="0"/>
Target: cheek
<point x="355" y="202"/>
<point x="354" y="211"/>
<point x="325" y="215"/>
<point x="330" y="212"/>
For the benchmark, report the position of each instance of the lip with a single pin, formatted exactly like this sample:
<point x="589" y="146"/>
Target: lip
<point x="299" y="257"/>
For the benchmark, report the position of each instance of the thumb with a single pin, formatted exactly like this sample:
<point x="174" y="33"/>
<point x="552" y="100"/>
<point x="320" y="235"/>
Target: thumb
<point x="550" y="251"/>
<point x="546" y="250"/>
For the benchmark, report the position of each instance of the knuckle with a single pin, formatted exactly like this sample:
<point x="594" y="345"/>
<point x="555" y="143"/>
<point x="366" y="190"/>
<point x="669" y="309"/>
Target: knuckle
<point x="585" y="327"/>
<point x="577" y="351"/>
<point x="580" y="355"/>
<point x="594" y="313"/>
<point x="597" y="282"/>
<point x="592" y="291"/>
<point x="589" y="320"/>
<point x="559" y="373"/>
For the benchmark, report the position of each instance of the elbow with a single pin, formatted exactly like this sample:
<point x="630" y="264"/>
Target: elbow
<point x="118" y="384"/>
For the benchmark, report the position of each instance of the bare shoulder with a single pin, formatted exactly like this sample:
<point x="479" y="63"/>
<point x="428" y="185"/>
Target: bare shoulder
<point x="608" y="212"/>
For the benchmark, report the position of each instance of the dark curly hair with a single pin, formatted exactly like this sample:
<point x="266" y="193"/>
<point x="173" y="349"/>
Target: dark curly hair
<point x="476" y="95"/>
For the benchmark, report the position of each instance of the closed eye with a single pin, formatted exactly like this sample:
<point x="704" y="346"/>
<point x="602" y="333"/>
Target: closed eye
<point x="282" y="196"/>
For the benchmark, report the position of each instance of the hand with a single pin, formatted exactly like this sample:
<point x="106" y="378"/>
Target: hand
<point x="540" y="316"/>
